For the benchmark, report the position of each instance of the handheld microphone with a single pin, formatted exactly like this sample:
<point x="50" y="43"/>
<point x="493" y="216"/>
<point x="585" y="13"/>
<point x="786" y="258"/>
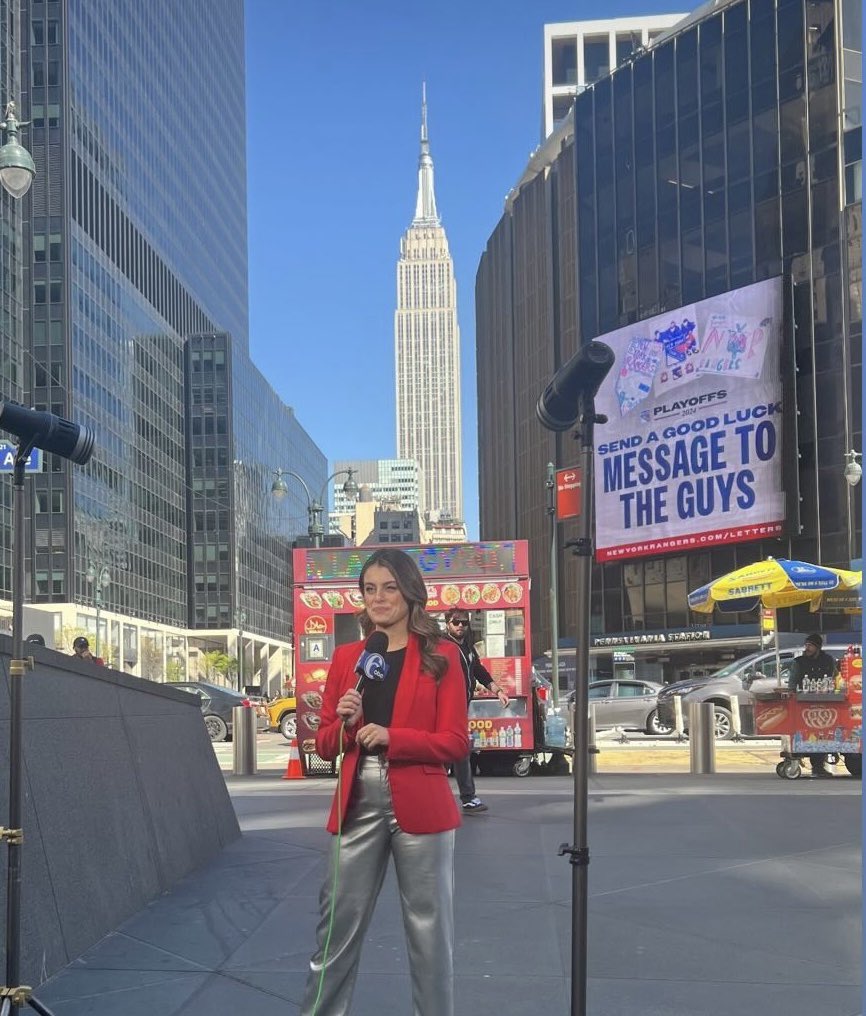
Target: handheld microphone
<point x="371" y="665"/>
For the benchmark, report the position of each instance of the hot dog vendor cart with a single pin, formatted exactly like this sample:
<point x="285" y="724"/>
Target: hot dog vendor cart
<point x="823" y="720"/>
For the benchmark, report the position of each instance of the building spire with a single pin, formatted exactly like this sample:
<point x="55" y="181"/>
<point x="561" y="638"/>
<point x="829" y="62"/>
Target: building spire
<point x="425" y="205"/>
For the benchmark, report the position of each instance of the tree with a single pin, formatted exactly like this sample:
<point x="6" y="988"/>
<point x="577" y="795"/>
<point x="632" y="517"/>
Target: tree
<point x="150" y="656"/>
<point x="215" y="662"/>
<point x="175" y="670"/>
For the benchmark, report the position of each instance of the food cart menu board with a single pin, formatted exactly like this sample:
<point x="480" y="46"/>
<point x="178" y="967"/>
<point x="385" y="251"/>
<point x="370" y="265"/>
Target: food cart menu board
<point x="435" y="561"/>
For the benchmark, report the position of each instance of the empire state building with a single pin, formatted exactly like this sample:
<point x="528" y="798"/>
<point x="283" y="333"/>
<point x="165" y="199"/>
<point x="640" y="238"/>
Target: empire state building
<point x="427" y="350"/>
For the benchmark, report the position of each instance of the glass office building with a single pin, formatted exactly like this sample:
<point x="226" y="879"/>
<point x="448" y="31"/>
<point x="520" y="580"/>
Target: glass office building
<point x="727" y="153"/>
<point x="240" y="536"/>
<point x="136" y="237"/>
<point x="127" y="257"/>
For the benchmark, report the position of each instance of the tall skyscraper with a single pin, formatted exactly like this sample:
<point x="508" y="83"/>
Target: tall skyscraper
<point x="427" y="349"/>
<point x="125" y="261"/>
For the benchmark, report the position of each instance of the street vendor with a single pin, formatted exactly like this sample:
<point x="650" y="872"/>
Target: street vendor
<point x="812" y="664"/>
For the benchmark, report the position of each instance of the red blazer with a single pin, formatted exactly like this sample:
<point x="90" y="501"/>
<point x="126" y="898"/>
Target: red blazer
<point x="428" y="728"/>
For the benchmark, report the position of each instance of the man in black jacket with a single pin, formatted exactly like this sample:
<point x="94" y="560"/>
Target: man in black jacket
<point x="458" y="630"/>
<point x="812" y="664"/>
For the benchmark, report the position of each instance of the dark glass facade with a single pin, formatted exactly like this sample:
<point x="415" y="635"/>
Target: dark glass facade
<point x="137" y="238"/>
<point x="239" y="538"/>
<point x="123" y="269"/>
<point x="715" y="159"/>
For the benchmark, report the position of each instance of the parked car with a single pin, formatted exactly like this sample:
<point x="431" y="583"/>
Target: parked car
<point x="281" y="716"/>
<point x="628" y="704"/>
<point x="217" y="703"/>
<point x="756" y="672"/>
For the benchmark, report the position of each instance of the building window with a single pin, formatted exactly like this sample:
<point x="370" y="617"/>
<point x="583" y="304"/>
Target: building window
<point x="563" y="58"/>
<point x="596" y="58"/>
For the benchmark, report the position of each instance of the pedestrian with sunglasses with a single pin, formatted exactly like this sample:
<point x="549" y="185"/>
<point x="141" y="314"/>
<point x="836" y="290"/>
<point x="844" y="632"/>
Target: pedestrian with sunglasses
<point x="458" y="629"/>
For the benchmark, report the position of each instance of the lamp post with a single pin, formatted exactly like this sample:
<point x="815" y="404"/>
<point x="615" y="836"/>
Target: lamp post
<point x="240" y="621"/>
<point x="17" y="171"/>
<point x="100" y="578"/>
<point x="315" y="506"/>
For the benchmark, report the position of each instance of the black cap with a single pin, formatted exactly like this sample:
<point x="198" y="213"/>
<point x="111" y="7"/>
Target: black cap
<point x="815" y="639"/>
<point x="36" y="639"/>
<point x="81" y="643"/>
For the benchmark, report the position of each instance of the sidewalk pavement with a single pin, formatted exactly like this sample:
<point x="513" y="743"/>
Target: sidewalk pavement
<point x="718" y="895"/>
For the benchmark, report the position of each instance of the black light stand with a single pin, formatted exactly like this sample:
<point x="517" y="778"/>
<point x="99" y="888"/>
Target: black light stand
<point x="570" y="399"/>
<point x="15" y="994"/>
<point x="35" y="429"/>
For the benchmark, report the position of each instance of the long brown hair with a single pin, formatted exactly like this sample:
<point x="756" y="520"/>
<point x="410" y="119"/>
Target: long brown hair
<point x="411" y="585"/>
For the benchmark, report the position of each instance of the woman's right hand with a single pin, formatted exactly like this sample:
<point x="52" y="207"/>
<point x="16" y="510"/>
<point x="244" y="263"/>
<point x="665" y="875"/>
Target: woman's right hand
<point x="349" y="707"/>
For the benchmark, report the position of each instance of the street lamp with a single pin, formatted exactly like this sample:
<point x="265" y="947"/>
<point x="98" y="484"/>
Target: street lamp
<point x="240" y="620"/>
<point x="853" y="469"/>
<point x="100" y="578"/>
<point x="315" y="506"/>
<point x="16" y="165"/>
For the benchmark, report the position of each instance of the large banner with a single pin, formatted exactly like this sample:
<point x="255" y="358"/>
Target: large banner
<point x="691" y="455"/>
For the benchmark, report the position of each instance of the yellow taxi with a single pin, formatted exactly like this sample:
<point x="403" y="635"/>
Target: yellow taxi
<point x="281" y="716"/>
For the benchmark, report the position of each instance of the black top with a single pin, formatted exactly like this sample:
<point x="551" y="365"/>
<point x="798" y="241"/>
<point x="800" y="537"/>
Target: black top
<point x="378" y="696"/>
<point x="809" y="668"/>
<point x="473" y="669"/>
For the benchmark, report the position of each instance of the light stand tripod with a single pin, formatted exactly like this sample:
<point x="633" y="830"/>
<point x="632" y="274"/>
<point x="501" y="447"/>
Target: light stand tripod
<point x="569" y="399"/>
<point x="15" y="994"/>
<point x="35" y="429"/>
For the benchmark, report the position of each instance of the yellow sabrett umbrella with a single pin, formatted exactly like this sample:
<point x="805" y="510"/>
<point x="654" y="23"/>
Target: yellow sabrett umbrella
<point x="778" y="582"/>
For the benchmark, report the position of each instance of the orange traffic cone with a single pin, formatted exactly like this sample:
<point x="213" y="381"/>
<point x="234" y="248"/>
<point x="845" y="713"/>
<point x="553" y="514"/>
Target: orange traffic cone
<point x="293" y="769"/>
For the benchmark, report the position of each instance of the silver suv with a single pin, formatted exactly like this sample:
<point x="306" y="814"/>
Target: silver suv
<point x="738" y="680"/>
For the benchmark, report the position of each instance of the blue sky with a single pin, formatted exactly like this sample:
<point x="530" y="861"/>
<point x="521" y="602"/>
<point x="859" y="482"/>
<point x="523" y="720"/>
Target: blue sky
<point x="333" y="112"/>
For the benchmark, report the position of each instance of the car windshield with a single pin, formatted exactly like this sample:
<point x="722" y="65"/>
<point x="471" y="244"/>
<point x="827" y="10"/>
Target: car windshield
<point x="731" y="668"/>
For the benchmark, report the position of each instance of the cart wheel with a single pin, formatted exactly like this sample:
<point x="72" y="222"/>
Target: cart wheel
<point x="522" y="766"/>
<point x="790" y="769"/>
<point x="780" y="769"/>
<point x="854" y="765"/>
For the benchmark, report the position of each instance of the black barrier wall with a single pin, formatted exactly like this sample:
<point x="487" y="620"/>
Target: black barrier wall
<point x="122" y="798"/>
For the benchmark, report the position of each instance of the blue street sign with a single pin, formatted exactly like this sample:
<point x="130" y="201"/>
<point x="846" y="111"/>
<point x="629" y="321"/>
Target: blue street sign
<point x="8" y="452"/>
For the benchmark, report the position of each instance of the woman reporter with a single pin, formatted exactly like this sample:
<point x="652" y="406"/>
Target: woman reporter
<point x="394" y="799"/>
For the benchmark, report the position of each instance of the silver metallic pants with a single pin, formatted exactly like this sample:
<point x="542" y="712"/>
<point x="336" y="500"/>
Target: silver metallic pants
<point x="425" y="876"/>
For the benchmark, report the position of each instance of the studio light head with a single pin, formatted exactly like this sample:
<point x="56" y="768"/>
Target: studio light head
<point x="557" y="407"/>
<point x="52" y="433"/>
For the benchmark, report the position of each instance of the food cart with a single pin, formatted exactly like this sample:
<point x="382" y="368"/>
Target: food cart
<point x="489" y="580"/>
<point x="817" y="722"/>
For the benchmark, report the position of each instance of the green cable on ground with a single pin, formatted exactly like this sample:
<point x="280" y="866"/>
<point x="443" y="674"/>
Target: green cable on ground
<point x="337" y="841"/>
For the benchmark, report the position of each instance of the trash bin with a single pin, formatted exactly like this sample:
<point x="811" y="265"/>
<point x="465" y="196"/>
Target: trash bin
<point x="244" y="741"/>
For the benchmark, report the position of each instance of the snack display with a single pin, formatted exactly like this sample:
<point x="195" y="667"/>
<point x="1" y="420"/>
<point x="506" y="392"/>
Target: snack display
<point x="355" y="598"/>
<point x="333" y="599"/>
<point x="490" y="593"/>
<point x="512" y="593"/>
<point x="451" y="595"/>
<point x="312" y="720"/>
<point x="309" y="745"/>
<point x="471" y="595"/>
<point x="311" y="599"/>
<point x="312" y="699"/>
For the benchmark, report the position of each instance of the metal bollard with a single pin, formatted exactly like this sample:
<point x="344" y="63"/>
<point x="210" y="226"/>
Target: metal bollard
<point x="679" y="726"/>
<point x="244" y="741"/>
<point x="736" y="720"/>
<point x="702" y="737"/>
<point x="592" y="761"/>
